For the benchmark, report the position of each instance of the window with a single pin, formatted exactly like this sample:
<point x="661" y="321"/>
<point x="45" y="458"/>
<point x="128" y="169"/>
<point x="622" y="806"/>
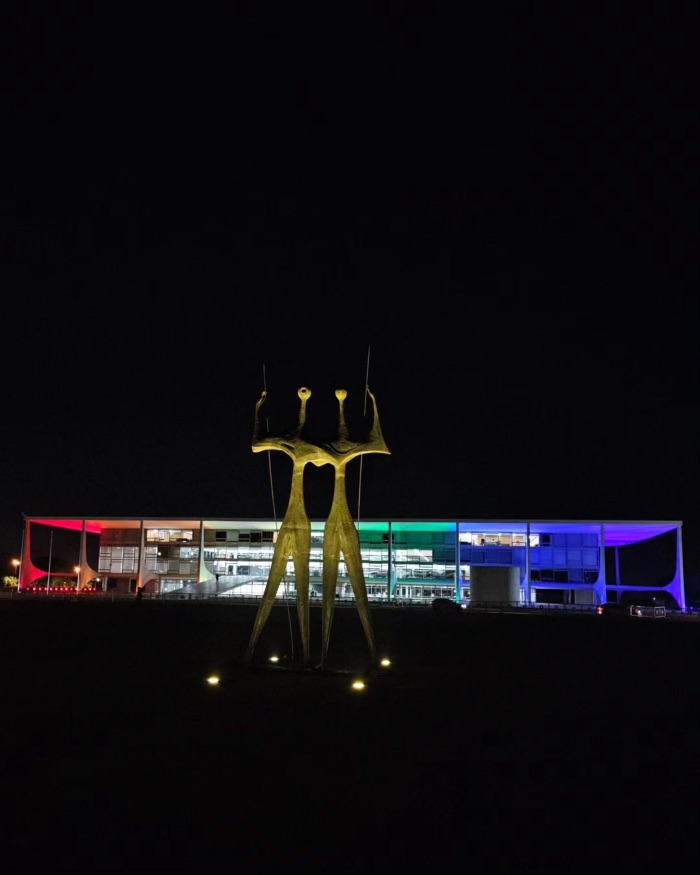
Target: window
<point x="166" y="535"/>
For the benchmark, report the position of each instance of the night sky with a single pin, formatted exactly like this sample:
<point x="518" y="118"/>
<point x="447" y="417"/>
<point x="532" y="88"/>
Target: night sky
<point x="493" y="213"/>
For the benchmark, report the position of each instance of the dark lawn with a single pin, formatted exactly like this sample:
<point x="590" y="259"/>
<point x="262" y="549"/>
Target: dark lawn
<point x="493" y="744"/>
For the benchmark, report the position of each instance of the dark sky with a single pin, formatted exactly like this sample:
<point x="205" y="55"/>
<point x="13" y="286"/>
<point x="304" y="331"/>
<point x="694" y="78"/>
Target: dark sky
<point x="498" y="207"/>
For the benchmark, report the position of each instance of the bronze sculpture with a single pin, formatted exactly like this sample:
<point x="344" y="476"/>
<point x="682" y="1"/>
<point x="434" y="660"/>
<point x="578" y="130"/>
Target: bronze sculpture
<point x="340" y="533"/>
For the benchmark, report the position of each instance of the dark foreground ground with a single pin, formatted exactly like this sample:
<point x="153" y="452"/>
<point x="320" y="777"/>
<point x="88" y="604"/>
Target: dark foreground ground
<point x="493" y="744"/>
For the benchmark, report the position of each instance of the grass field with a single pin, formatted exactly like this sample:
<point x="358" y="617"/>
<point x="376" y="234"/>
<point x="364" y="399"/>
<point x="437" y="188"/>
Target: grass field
<point x="493" y="743"/>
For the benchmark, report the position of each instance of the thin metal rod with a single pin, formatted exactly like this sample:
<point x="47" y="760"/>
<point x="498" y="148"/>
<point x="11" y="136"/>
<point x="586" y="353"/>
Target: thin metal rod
<point x="274" y="516"/>
<point x="364" y="412"/>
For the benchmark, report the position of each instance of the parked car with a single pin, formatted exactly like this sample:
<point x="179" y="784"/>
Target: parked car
<point x="445" y="604"/>
<point x="641" y="609"/>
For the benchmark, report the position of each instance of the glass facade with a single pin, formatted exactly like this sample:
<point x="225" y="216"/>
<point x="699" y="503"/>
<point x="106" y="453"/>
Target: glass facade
<point x="407" y="561"/>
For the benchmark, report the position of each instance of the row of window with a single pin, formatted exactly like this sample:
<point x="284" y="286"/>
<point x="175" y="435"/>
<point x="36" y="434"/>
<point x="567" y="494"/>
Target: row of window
<point x="398" y="539"/>
<point x="564" y="557"/>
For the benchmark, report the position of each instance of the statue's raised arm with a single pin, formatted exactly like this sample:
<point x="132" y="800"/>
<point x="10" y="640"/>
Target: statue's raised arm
<point x="376" y="444"/>
<point x="343" y="449"/>
<point x="256" y="424"/>
<point x="292" y="443"/>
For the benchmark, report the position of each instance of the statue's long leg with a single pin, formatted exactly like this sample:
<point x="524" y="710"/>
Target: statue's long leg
<point x="283" y="549"/>
<point x="350" y="543"/>
<point x="331" y="557"/>
<point x="301" y="575"/>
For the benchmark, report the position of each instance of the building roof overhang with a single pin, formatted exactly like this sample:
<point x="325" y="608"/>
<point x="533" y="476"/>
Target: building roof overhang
<point x="615" y="532"/>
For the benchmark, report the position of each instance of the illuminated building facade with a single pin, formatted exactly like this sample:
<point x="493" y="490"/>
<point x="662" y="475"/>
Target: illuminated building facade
<point x="528" y="562"/>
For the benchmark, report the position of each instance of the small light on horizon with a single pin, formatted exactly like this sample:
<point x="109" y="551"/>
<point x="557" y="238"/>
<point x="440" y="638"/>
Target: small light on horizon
<point x="274" y="659"/>
<point x="385" y="663"/>
<point x="358" y="685"/>
<point x="213" y="680"/>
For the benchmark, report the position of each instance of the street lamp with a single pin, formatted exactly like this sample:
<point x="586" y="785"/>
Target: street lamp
<point x="76" y="568"/>
<point x="17" y="563"/>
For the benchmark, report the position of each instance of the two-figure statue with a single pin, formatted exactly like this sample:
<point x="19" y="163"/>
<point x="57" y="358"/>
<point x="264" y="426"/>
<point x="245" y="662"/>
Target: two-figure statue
<point x="340" y="534"/>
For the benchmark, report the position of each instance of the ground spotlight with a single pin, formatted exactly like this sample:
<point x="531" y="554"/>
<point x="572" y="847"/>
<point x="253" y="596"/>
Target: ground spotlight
<point x="213" y="680"/>
<point x="358" y="685"/>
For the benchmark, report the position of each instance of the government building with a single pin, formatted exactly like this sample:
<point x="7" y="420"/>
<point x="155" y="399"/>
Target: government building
<point x="475" y="562"/>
